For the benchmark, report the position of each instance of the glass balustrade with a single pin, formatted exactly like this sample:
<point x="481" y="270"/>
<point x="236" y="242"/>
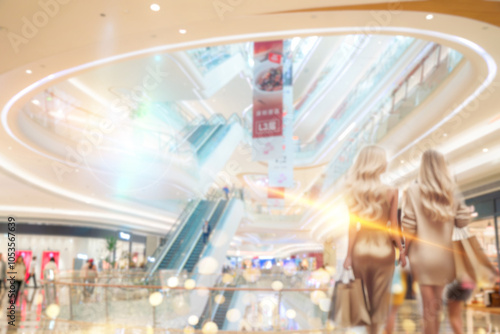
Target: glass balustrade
<point x="422" y="81"/>
<point x="337" y="62"/>
<point x="301" y="48"/>
<point x="208" y="58"/>
<point x="367" y="85"/>
<point x="64" y="116"/>
<point x="287" y="213"/>
<point x="256" y="300"/>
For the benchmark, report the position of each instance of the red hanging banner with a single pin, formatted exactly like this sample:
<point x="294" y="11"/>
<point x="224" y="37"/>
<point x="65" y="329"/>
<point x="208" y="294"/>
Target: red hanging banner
<point x="268" y="89"/>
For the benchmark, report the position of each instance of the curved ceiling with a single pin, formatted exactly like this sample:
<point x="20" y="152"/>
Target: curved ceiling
<point x="41" y="51"/>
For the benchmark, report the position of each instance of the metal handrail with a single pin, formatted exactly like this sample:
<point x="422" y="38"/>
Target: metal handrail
<point x="162" y="287"/>
<point x="172" y="235"/>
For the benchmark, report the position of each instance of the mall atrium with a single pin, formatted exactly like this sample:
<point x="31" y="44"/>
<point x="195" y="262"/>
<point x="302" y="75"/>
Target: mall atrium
<point x="179" y="166"/>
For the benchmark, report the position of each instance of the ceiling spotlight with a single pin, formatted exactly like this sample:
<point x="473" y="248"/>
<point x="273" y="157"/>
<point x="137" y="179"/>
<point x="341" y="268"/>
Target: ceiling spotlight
<point x="445" y="135"/>
<point x="155" y="7"/>
<point x="182" y="31"/>
<point x="429" y="17"/>
<point x="485" y="150"/>
<point x="29" y="71"/>
<point x="402" y="161"/>
<point x="35" y="102"/>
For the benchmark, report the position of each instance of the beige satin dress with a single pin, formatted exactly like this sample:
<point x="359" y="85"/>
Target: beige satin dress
<point x="431" y="249"/>
<point x="373" y="260"/>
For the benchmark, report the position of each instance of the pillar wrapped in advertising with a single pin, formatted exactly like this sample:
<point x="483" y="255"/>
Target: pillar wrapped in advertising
<point x="281" y="168"/>
<point x="267" y="127"/>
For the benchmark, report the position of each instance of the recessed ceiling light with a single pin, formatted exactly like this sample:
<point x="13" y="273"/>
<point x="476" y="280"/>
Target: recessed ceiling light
<point x="28" y="71"/>
<point x="429" y="17"/>
<point x="182" y="31"/>
<point x="155" y="7"/>
<point x="402" y="161"/>
<point x="35" y="102"/>
<point x="445" y="135"/>
<point x="485" y="150"/>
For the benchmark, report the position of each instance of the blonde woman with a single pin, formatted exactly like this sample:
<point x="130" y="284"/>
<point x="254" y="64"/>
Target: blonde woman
<point x="431" y="210"/>
<point x="371" y="252"/>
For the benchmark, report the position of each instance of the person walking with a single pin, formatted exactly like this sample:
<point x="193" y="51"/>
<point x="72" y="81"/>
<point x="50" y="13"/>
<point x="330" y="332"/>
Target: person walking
<point x="19" y="276"/>
<point x="456" y="295"/>
<point x="90" y="277"/>
<point x="32" y="273"/>
<point x="3" y="272"/>
<point x="226" y="192"/>
<point x="432" y="208"/>
<point x="206" y="231"/>
<point x="371" y="253"/>
<point x="50" y="270"/>
<point x="49" y="276"/>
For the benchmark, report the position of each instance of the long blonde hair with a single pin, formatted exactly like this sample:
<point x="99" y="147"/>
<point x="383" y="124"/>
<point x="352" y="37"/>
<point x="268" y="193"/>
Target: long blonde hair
<point x="437" y="187"/>
<point x="365" y="193"/>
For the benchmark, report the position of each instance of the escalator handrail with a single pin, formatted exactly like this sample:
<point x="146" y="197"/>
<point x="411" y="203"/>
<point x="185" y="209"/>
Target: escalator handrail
<point x="181" y="223"/>
<point x="198" y="131"/>
<point x="196" y="240"/>
<point x="189" y="129"/>
<point x="211" y="132"/>
<point x="211" y="144"/>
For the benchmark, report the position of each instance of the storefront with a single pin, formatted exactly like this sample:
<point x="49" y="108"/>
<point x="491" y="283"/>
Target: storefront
<point x="72" y="246"/>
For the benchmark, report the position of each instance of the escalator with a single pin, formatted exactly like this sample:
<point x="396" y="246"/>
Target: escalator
<point x="184" y="252"/>
<point x="198" y="248"/>
<point x="217" y="312"/>
<point x="201" y="134"/>
<point x="220" y="313"/>
<point x="193" y="223"/>
<point x="182" y="245"/>
<point x="208" y="146"/>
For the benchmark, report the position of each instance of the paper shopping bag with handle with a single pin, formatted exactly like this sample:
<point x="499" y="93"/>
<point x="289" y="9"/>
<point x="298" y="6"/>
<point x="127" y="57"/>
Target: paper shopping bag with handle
<point x="471" y="263"/>
<point x="349" y="307"/>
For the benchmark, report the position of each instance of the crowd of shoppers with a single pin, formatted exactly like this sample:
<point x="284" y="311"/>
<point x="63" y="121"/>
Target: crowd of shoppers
<point x="19" y="272"/>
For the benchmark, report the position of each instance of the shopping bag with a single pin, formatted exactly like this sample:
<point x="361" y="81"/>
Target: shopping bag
<point x="349" y="306"/>
<point x="471" y="263"/>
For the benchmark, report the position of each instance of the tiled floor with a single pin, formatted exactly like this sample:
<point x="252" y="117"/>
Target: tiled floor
<point x="29" y="320"/>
